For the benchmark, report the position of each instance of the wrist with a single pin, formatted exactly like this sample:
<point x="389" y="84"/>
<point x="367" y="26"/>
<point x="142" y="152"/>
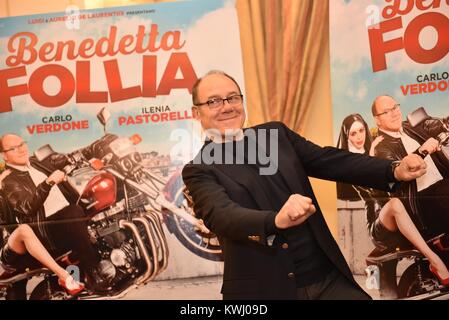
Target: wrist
<point x="51" y="183"/>
<point x="394" y="165"/>
<point x="421" y="153"/>
<point x="270" y="225"/>
<point x="278" y="223"/>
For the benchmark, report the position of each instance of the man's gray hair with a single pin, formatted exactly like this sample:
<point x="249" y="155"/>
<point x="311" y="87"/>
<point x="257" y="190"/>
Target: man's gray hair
<point x="197" y="84"/>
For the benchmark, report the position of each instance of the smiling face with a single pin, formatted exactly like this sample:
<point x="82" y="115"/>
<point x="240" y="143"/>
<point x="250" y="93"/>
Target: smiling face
<point x="389" y="115"/>
<point x="15" y="150"/>
<point x="357" y="135"/>
<point x="225" y="119"/>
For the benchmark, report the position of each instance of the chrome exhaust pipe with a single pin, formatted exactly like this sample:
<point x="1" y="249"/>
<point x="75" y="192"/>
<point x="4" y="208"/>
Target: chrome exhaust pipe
<point x="113" y="297"/>
<point x="157" y="226"/>
<point x="152" y="246"/>
<point x="131" y="226"/>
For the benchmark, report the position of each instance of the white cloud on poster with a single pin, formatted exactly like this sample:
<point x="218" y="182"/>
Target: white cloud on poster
<point x="23" y="105"/>
<point x="349" y="34"/>
<point x="362" y="91"/>
<point x="212" y="44"/>
<point x="357" y="92"/>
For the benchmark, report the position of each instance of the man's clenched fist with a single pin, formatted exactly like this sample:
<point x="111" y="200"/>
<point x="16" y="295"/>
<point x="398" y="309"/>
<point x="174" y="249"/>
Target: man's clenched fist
<point x="56" y="177"/>
<point x="410" y="168"/>
<point x="294" y="212"/>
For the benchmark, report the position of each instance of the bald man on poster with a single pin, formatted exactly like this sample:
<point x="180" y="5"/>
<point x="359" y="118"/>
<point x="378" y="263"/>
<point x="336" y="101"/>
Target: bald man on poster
<point x="251" y="188"/>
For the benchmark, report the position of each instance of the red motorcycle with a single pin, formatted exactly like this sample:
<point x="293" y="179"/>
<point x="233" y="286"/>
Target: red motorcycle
<point x="128" y="238"/>
<point x="127" y="201"/>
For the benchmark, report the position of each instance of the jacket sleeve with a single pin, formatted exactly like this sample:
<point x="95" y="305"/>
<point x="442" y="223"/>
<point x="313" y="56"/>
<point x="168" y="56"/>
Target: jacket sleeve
<point x="433" y="127"/>
<point x="24" y="203"/>
<point x="219" y="213"/>
<point x="334" y="164"/>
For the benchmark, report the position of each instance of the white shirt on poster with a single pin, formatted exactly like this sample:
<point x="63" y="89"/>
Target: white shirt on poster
<point x="432" y="175"/>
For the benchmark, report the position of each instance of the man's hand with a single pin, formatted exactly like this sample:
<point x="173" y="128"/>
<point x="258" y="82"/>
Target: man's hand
<point x="410" y="168"/>
<point x="56" y="177"/>
<point x="294" y="212"/>
<point x="374" y="144"/>
<point x="430" y="146"/>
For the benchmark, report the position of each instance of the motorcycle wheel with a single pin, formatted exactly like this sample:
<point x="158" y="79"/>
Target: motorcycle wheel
<point x="49" y="289"/>
<point x="204" y="245"/>
<point x="417" y="279"/>
<point x="193" y="240"/>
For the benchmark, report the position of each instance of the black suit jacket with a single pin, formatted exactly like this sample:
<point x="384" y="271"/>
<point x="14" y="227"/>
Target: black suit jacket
<point x="226" y="197"/>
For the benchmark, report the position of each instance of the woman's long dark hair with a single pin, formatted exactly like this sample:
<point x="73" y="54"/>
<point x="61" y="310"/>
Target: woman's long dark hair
<point x="343" y="139"/>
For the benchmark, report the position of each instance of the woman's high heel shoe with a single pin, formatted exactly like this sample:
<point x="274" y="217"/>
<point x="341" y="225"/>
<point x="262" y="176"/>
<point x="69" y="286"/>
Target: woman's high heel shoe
<point x="444" y="282"/>
<point x="70" y="285"/>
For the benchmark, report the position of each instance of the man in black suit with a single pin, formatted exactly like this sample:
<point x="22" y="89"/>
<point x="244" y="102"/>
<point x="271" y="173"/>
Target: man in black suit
<point x="427" y="198"/>
<point x="251" y="188"/>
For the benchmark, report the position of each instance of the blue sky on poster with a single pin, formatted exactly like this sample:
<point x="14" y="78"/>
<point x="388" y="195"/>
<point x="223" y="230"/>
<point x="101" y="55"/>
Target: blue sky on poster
<point x="354" y="85"/>
<point x="211" y="34"/>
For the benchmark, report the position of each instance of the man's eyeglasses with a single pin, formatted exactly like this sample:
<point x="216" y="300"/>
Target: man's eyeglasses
<point x="16" y="148"/>
<point x="215" y="103"/>
<point x="389" y="111"/>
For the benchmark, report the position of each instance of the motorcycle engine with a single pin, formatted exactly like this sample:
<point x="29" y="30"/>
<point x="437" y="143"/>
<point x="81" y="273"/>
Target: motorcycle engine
<point x="107" y="270"/>
<point x="125" y="256"/>
<point x="117" y="250"/>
